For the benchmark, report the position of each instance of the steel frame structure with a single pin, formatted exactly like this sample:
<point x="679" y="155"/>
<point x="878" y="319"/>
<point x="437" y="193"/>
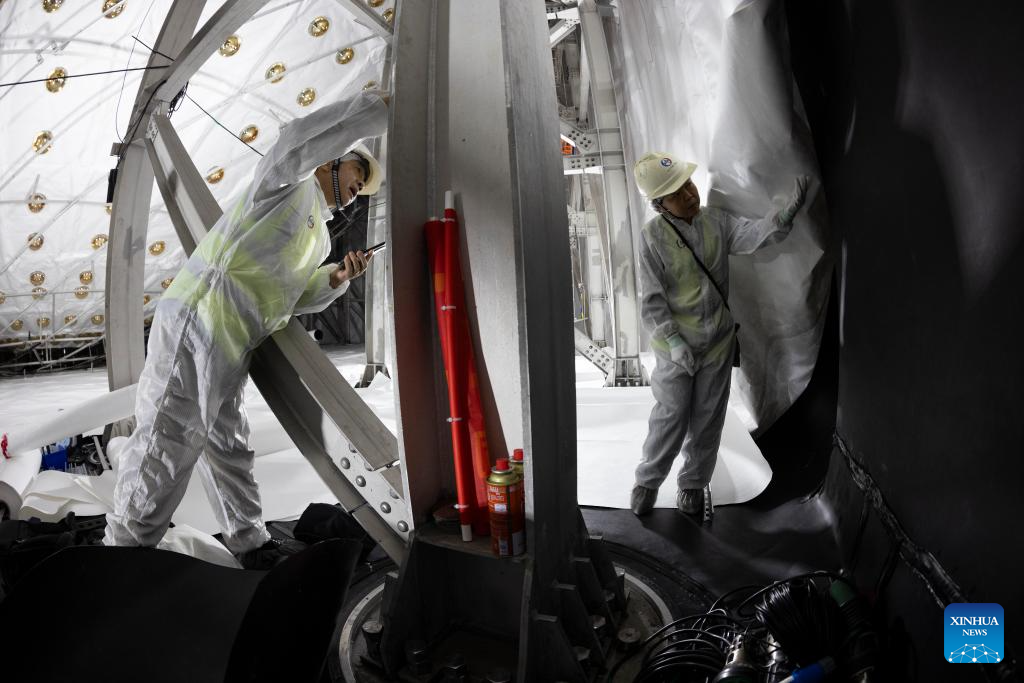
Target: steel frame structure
<point x="375" y="338"/>
<point x="349" y="447"/>
<point x="611" y="199"/>
<point x="129" y="219"/>
<point x="599" y="194"/>
<point x="500" y="163"/>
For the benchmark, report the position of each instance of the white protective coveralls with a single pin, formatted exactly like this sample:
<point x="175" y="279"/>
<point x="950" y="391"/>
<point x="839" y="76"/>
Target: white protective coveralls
<point x="258" y="266"/>
<point x="677" y="298"/>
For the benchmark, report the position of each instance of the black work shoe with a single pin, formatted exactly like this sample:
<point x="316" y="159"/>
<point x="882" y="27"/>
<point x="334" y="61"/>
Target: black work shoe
<point x="271" y="553"/>
<point x="690" y="501"/>
<point x="641" y="501"/>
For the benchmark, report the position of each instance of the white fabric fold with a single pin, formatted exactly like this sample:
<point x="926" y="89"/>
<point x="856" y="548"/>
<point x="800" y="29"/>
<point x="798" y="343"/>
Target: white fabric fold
<point x="709" y="81"/>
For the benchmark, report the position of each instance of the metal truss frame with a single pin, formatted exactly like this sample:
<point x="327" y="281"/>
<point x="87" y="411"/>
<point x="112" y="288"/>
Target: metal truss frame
<point x="388" y="483"/>
<point x="355" y="454"/>
<point x="375" y="334"/>
<point x="129" y="219"/>
<point x="611" y="198"/>
<point x="492" y="143"/>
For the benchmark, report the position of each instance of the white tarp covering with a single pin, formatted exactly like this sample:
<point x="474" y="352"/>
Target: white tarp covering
<point x="611" y="426"/>
<point x="709" y="80"/>
<point x="87" y="114"/>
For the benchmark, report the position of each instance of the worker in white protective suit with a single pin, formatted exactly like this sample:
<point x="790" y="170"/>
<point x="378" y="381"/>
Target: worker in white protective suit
<point x="684" y="288"/>
<point x="255" y="269"/>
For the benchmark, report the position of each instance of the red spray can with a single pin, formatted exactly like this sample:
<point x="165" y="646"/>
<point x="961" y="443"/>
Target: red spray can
<point x="505" y="509"/>
<point x="517" y="466"/>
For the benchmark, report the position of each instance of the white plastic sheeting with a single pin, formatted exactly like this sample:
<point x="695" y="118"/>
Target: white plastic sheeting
<point x="88" y="114"/>
<point x="16" y="473"/>
<point x="709" y="80"/>
<point x="611" y="426"/>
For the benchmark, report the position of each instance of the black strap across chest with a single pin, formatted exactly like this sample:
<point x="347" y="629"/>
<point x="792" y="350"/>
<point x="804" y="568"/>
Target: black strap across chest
<point x="699" y="262"/>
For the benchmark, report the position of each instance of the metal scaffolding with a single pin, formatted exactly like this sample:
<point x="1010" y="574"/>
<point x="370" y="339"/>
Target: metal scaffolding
<point x="600" y="225"/>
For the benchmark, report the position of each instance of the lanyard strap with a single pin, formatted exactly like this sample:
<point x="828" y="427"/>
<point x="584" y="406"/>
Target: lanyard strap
<point x="699" y="263"/>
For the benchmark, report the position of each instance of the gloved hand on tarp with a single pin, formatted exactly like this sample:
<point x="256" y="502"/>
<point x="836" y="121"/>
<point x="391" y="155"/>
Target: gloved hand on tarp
<point x="796" y="201"/>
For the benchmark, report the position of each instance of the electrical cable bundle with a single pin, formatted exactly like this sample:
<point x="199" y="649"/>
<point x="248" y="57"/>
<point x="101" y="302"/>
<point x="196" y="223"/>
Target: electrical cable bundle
<point x="807" y="623"/>
<point x="806" y="628"/>
<point x="682" y="652"/>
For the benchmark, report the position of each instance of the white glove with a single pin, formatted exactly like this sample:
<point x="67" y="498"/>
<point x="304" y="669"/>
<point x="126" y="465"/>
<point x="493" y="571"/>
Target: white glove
<point x="796" y="200"/>
<point x="679" y="353"/>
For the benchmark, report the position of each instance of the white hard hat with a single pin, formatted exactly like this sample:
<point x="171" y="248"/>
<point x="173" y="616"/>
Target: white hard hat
<point x="376" y="176"/>
<point x="659" y="173"/>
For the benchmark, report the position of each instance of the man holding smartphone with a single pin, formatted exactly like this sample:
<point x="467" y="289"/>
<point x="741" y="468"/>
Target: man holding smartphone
<point x="256" y="268"/>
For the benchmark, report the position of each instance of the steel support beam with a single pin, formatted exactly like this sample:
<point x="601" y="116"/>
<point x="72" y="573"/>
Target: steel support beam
<point x="495" y="144"/>
<point x="502" y="158"/>
<point x="612" y="201"/>
<point x="596" y="275"/>
<point x="348" y="446"/>
<point x="422" y="433"/>
<point x="375" y="310"/>
<point x="186" y="195"/>
<point x="584" y="226"/>
<point x="583" y="103"/>
<point x="494" y="141"/>
<point x="582" y="223"/>
<point x="206" y="41"/>
<point x="583" y="231"/>
<point x="563" y="27"/>
<point x="543" y="304"/>
<point x="129" y="220"/>
<point x="586" y="347"/>
<point x="583" y="140"/>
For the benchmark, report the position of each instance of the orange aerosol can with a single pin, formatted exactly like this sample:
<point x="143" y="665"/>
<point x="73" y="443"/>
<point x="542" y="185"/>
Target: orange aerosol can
<point x="517" y="466"/>
<point x="517" y="462"/>
<point x="505" y="508"/>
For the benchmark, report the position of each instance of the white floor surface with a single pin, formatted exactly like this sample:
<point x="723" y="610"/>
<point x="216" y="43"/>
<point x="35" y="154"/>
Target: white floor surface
<point x="612" y="424"/>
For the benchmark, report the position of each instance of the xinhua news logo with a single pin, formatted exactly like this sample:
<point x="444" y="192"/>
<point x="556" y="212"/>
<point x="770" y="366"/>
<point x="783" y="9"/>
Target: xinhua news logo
<point x="974" y="633"/>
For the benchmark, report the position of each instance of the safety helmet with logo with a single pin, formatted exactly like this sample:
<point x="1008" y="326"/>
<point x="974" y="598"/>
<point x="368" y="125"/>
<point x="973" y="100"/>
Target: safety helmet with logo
<point x="373" y="174"/>
<point x="660" y="173"/>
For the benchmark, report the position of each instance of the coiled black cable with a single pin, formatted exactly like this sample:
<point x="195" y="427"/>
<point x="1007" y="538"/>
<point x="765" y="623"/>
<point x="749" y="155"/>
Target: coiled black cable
<point x="807" y="623"/>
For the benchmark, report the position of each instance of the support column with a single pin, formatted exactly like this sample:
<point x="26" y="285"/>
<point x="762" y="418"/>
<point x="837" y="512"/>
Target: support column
<point x="377" y="286"/>
<point x="129" y="219"/>
<point x="543" y="305"/>
<point x="496" y="142"/>
<point x="611" y="201"/>
<point x="418" y="380"/>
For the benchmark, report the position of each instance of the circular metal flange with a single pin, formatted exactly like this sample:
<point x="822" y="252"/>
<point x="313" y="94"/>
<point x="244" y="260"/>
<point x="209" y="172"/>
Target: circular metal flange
<point x="644" y="605"/>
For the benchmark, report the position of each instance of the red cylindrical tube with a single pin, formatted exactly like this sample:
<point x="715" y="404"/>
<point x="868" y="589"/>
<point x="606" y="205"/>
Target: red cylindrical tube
<point x="464" y="484"/>
<point x="465" y="359"/>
